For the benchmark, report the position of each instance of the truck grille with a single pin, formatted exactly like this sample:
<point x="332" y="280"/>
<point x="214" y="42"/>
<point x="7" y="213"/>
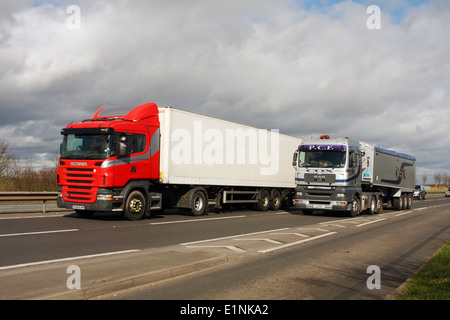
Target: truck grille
<point x="79" y="185"/>
<point x="317" y="177"/>
<point x="317" y="193"/>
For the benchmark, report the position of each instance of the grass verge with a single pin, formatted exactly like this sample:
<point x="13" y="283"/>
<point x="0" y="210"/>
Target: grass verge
<point x="432" y="282"/>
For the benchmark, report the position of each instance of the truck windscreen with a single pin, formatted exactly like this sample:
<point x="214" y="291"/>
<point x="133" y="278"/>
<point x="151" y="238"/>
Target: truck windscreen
<point x="322" y="159"/>
<point x="86" y="147"/>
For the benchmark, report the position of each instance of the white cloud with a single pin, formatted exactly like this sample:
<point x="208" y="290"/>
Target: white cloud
<point x="273" y="66"/>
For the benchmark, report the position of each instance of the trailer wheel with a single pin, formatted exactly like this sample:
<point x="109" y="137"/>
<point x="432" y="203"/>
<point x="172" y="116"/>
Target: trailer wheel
<point x="404" y="201"/>
<point x="198" y="203"/>
<point x="397" y="203"/>
<point x="409" y="199"/>
<point x="379" y="204"/>
<point x="276" y="202"/>
<point x="264" y="200"/>
<point x="372" y="205"/>
<point x="356" y="207"/>
<point x="135" y="206"/>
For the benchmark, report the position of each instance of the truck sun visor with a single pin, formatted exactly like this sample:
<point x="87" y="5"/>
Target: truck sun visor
<point x="323" y="147"/>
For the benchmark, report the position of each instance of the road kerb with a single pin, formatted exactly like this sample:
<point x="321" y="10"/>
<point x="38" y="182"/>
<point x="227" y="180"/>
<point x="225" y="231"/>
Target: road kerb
<point x="137" y="280"/>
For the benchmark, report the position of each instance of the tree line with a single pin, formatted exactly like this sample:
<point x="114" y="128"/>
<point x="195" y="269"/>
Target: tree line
<point x="16" y="177"/>
<point x="440" y="178"/>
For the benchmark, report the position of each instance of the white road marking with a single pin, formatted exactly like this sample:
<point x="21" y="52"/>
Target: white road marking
<point x="297" y="242"/>
<point x="37" y="232"/>
<point x="230" y="237"/>
<point x="261" y="239"/>
<point x="33" y="217"/>
<point x="364" y="224"/>
<point x="403" y="213"/>
<point x="294" y="233"/>
<point x="232" y="248"/>
<point x="66" y="259"/>
<point x="196" y="220"/>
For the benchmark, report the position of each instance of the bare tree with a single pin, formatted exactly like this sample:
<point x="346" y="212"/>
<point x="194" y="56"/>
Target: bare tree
<point x="6" y="158"/>
<point x="445" y="178"/>
<point x="424" y="178"/>
<point x="438" y="178"/>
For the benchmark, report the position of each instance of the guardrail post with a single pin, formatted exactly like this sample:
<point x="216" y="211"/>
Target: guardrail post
<point x="44" y="207"/>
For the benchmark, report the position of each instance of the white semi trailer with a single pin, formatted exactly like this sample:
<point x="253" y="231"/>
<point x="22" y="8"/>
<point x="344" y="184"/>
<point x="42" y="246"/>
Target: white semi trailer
<point x="229" y="163"/>
<point x="351" y="176"/>
<point x="137" y="159"/>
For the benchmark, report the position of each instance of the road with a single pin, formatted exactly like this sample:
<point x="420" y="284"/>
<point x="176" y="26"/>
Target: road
<point x="272" y="255"/>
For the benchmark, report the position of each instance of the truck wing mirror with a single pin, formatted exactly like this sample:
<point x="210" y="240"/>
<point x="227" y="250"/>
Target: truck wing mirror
<point x="121" y="148"/>
<point x="294" y="159"/>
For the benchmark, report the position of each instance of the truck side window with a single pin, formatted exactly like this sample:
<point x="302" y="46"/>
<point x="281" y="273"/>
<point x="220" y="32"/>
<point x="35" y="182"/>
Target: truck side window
<point x="136" y="143"/>
<point x="353" y="159"/>
<point x="139" y="143"/>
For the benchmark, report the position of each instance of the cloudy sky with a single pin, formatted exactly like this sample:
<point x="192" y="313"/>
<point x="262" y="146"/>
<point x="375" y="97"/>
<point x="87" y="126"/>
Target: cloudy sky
<point x="301" y="66"/>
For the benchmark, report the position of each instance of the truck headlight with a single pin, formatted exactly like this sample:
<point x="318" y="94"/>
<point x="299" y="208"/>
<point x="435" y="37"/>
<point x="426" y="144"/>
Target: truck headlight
<point x="298" y="194"/>
<point x="103" y="197"/>
<point x="340" y="195"/>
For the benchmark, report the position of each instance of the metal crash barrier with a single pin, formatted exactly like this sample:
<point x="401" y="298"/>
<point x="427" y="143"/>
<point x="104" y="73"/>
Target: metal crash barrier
<point x="29" y="196"/>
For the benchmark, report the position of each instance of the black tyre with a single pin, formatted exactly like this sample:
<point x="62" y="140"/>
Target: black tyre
<point x="198" y="203"/>
<point x="409" y="201"/>
<point x="397" y="203"/>
<point x="264" y="201"/>
<point x="372" y="205"/>
<point x="135" y="206"/>
<point x="276" y="202"/>
<point x="356" y="207"/>
<point x="379" y="204"/>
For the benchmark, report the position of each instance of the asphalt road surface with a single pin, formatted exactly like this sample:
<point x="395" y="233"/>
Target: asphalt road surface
<point x="271" y="255"/>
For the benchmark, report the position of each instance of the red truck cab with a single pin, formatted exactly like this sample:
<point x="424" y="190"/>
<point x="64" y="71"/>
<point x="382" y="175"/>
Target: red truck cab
<point x="108" y="162"/>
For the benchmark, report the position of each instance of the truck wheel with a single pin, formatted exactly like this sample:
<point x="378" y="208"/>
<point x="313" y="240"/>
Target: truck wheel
<point x="404" y="201"/>
<point x="397" y="203"/>
<point x="356" y="207"/>
<point x="286" y="200"/>
<point x="409" y="201"/>
<point x="198" y="203"/>
<point x="372" y="205"/>
<point x="135" y="206"/>
<point x="275" y="203"/>
<point x="379" y="204"/>
<point x="264" y="200"/>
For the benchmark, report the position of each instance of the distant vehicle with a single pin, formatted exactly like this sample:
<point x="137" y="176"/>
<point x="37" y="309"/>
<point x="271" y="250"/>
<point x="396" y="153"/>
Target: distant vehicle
<point x="420" y="192"/>
<point x="447" y="193"/>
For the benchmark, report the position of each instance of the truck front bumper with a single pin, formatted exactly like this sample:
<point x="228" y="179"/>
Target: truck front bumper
<point x="103" y="203"/>
<point x="99" y="205"/>
<point x="328" y="205"/>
